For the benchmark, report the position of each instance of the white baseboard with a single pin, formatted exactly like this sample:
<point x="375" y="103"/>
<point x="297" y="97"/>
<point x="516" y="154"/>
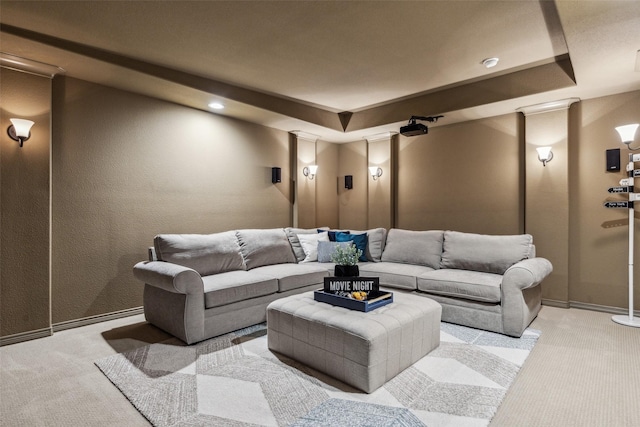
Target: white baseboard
<point x="25" y="336"/>
<point x="555" y="303"/>
<point x="76" y="323"/>
<point x="588" y="306"/>
<point x="603" y="308"/>
<point x="61" y="326"/>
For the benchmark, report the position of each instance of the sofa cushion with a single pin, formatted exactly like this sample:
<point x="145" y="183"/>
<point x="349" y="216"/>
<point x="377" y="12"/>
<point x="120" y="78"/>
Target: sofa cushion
<point x="327" y="249"/>
<point x="471" y="285"/>
<point x="414" y="247"/>
<point x="265" y="247"/>
<point x="234" y="286"/>
<point x="332" y="233"/>
<point x="294" y="276"/>
<point x="309" y="243"/>
<point x="479" y="252"/>
<point x="292" y="235"/>
<point x="360" y="240"/>
<point x="205" y="253"/>
<point x="376" y="238"/>
<point x="393" y="274"/>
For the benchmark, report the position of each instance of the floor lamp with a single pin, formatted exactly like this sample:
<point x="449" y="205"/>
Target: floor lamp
<point x="627" y="134"/>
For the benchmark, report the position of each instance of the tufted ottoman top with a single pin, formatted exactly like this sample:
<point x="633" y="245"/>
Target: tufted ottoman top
<point x="361" y="349"/>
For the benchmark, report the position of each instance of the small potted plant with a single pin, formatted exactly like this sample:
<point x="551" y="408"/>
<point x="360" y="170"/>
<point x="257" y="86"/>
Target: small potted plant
<point x="346" y="259"/>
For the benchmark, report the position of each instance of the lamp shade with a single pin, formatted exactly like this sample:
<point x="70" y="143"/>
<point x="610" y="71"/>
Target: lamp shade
<point x="544" y="153"/>
<point x="627" y="132"/>
<point x="373" y="170"/>
<point x="313" y="169"/>
<point x="22" y="127"/>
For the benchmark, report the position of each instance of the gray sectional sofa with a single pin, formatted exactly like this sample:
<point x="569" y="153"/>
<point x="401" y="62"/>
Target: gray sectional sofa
<point x="200" y="286"/>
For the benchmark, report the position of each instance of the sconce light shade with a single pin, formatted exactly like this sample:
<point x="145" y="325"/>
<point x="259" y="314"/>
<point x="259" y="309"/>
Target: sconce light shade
<point x="375" y="172"/>
<point x="310" y="171"/>
<point x="627" y="133"/>
<point x="20" y="130"/>
<point x="276" y="175"/>
<point x="544" y="155"/>
<point x="348" y="182"/>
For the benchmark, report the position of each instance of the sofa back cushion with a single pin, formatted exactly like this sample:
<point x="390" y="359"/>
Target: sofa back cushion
<point x="205" y="253"/>
<point x="479" y="252"/>
<point x="375" y="243"/>
<point x="292" y="235"/>
<point x="265" y="247"/>
<point x="414" y="247"/>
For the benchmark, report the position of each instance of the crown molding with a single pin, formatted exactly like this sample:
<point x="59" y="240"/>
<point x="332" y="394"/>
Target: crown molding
<point x="17" y="63"/>
<point x="546" y="107"/>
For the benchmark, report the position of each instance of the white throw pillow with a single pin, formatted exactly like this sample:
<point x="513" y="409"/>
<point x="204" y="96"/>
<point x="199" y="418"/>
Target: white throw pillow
<point x="309" y="243"/>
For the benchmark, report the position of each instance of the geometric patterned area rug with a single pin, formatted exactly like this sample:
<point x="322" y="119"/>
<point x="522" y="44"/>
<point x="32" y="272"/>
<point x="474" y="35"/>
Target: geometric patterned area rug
<point x="234" y="380"/>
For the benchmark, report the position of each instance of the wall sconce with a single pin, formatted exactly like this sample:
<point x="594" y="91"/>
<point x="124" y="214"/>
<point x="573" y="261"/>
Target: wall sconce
<point x="310" y="171"/>
<point x="348" y="182"/>
<point x="375" y="172"/>
<point x="20" y="130"/>
<point x="627" y="134"/>
<point x="276" y="175"/>
<point x="544" y="155"/>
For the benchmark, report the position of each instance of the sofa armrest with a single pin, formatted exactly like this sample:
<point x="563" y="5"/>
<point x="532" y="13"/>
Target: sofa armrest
<point x="527" y="273"/>
<point x="521" y="295"/>
<point x="169" y="277"/>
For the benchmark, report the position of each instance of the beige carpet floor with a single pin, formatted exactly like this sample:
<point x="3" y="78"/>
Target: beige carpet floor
<point x="584" y="371"/>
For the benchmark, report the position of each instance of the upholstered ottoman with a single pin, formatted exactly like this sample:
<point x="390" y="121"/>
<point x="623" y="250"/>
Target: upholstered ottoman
<point x="364" y="350"/>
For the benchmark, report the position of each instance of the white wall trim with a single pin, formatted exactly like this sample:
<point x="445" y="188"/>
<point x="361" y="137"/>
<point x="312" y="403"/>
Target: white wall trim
<point x="61" y="326"/>
<point x="18" y="63"/>
<point x="25" y="336"/>
<point x="587" y="306"/>
<point x="546" y="107"/>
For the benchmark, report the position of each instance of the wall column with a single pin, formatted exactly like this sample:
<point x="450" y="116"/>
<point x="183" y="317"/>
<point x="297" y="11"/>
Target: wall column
<point x="25" y="293"/>
<point x="547" y="193"/>
<point x="380" y="191"/>
<point x="304" y="206"/>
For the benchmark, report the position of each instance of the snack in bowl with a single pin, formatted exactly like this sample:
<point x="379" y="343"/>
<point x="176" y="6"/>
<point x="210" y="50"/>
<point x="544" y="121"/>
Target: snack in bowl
<point x="359" y="295"/>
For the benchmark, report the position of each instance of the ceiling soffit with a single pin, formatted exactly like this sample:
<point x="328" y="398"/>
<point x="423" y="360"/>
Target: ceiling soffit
<point x="542" y="76"/>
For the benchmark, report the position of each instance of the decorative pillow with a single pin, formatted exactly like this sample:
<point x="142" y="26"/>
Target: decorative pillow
<point x="376" y="238"/>
<point x="332" y="233"/>
<point x="292" y="235"/>
<point x="479" y="252"/>
<point x="264" y="247"/>
<point x="326" y="250"/>
<point x="360" y="240"/>
<point x="309" y="243"/>
<point x="414" y="247"/>
<point x="205" y="253"/>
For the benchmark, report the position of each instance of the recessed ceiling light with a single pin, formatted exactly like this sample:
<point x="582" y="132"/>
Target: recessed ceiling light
<point x="216" y="106"/>
<point x="490" y="62"/>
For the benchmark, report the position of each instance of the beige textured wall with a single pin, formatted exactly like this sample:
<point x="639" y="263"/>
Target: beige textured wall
<point x="127" y="167"/>
<point x="464" y="177"/>
<point x="380" y="210"/>
<point x="352" y="209"/>
<point x="599" y="236"/>
<point x="24" y="205"/>
<point x="328" y="185"/>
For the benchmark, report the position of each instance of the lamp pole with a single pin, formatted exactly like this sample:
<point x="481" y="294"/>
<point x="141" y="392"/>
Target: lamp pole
<point x="630" y="320"/>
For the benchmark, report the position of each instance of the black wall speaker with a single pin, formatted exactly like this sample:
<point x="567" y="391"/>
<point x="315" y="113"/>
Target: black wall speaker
<point x="613" y="160"/>
<point x="348" y="182"/>
<point x="276" y="175"/>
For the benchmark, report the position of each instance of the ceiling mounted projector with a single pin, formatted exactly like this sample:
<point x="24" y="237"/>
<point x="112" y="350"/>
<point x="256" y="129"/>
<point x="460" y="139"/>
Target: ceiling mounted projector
<point x="414" y="128"/>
